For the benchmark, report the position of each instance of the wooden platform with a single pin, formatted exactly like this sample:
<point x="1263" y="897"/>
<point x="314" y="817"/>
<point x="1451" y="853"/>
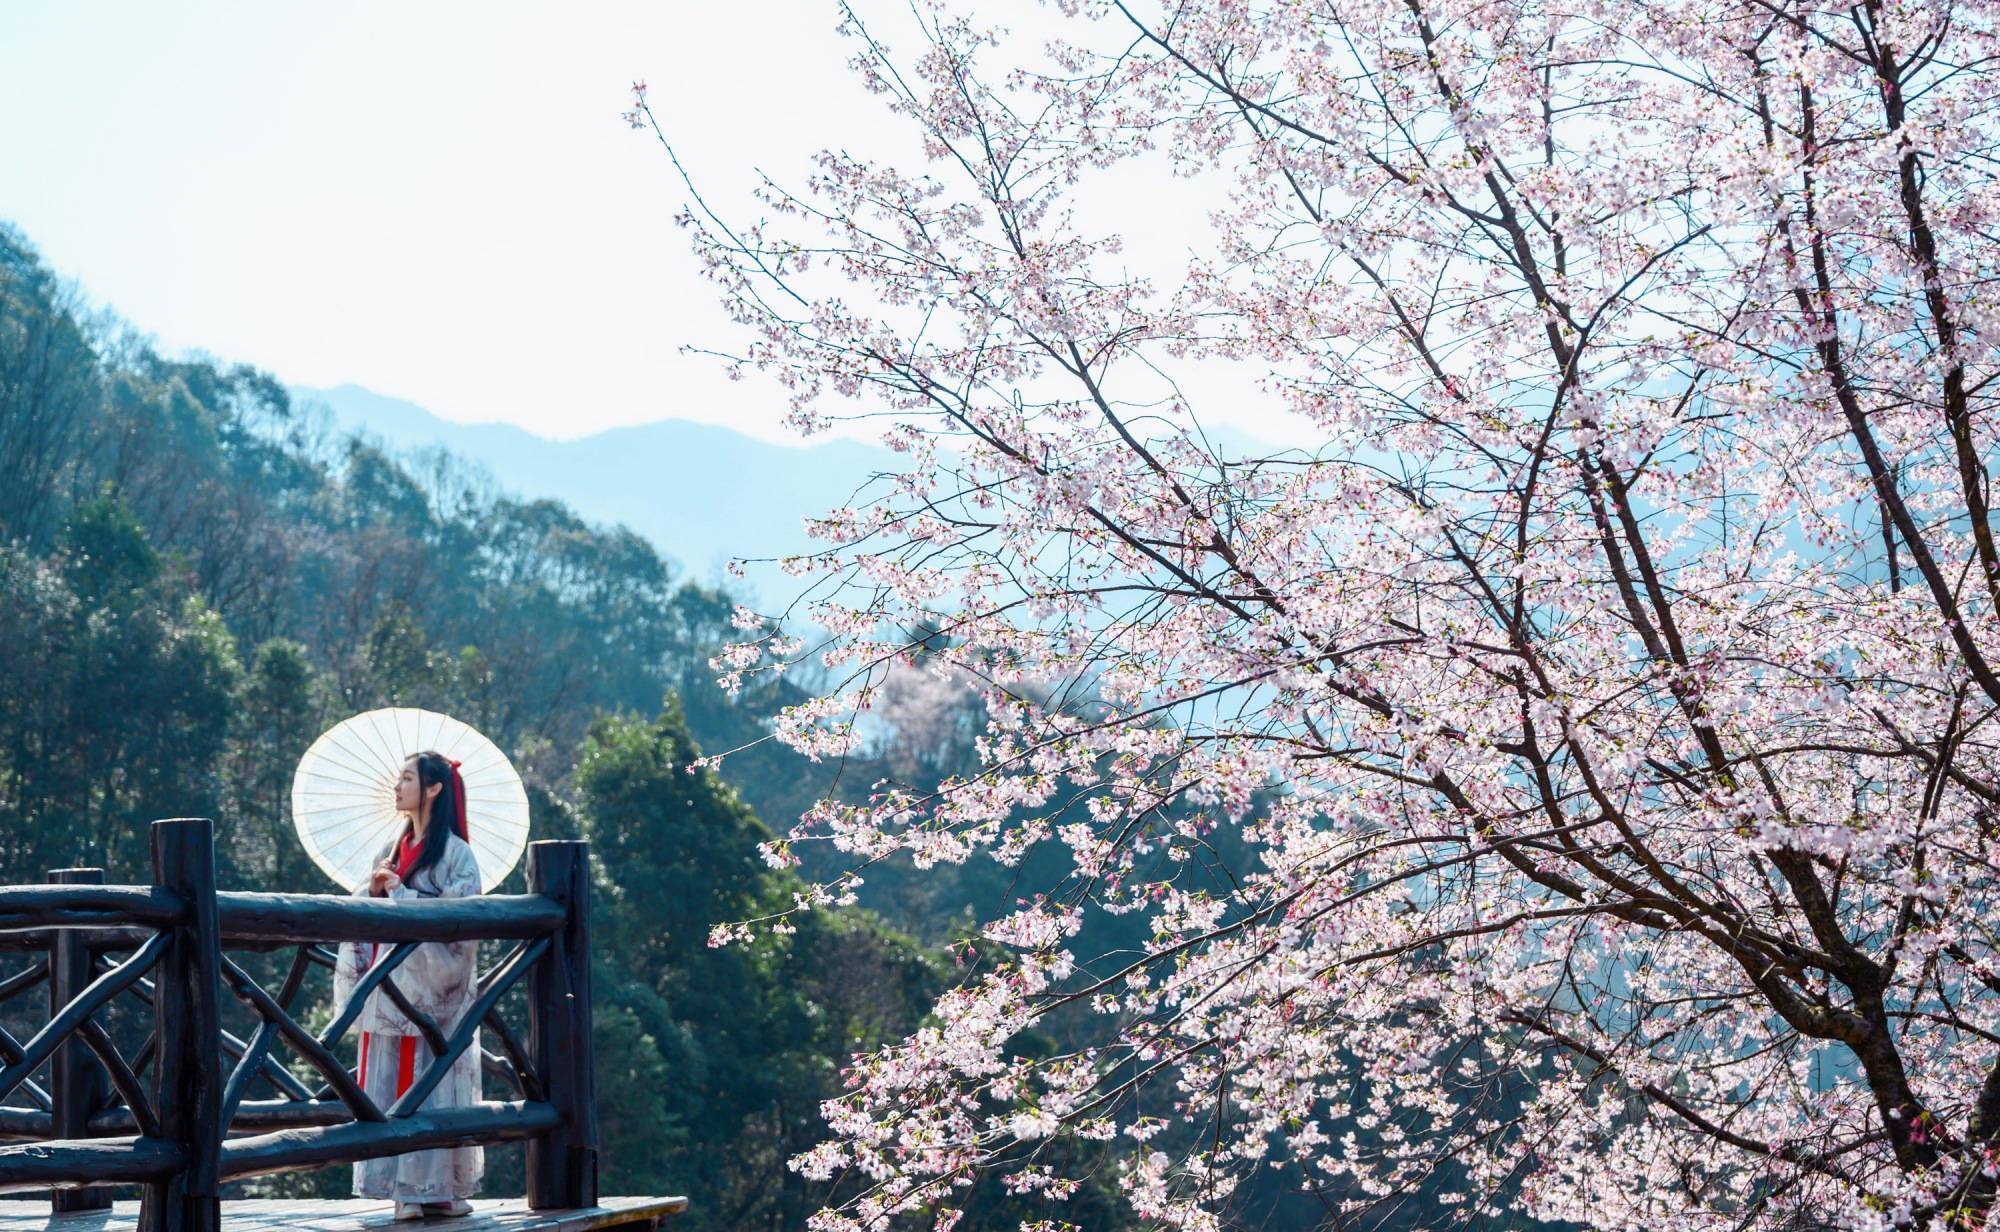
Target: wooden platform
<point x="354" y="1214"/>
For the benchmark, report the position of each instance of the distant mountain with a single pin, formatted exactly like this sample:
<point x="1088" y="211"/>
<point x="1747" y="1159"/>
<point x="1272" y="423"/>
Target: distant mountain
<point x="702" y="494"/>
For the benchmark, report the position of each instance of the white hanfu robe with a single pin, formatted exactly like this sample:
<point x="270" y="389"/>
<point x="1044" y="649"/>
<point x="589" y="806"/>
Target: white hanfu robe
<point x="438" y="980"/>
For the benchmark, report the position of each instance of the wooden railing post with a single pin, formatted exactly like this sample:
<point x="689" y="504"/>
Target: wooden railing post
<point x="562" y="1164"/>
<point x="78" y="1085"/>
<point x="187" y="1071"/>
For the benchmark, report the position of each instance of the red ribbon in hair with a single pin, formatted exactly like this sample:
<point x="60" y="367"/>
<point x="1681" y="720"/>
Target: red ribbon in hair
<point x="458" y="798"/>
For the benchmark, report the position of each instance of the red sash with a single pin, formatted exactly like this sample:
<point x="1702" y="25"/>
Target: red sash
<point x="406" y="1061"/>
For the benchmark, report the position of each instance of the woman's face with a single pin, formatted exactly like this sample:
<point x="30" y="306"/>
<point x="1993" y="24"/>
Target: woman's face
<point x="410" y="789"/>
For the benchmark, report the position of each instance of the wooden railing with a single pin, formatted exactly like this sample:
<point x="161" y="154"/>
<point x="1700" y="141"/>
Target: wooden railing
<point x="175" y="1117"/>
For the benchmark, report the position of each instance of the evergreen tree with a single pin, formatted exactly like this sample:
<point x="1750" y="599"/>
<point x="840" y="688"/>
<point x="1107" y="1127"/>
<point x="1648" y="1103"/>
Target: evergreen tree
<point x="756" y="1032"/>
<point x="280" y="709"/>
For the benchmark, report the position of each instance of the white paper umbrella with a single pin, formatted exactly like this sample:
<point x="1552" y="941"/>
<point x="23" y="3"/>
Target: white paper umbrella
<point x="344" y="793"/>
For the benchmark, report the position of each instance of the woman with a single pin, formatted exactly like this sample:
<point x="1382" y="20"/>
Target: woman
<point x="428" y="859"/>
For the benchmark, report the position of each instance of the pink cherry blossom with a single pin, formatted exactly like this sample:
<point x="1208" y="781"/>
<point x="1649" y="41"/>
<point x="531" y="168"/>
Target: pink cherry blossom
<point x="1601" y="683"/>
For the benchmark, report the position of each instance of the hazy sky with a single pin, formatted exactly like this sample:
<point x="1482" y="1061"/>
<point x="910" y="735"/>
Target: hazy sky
<point x="437" y="200"/>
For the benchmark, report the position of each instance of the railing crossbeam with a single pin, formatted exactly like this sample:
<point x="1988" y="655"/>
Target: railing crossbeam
<point x="254" y="1057"/>
<point x="378" y="975"/>
<point x="311" y="1049"/>
<point x="286" y="1150"/>
<point x="88" y="1002"/>
<point x="421" y="1089"/>
<point x="358" y="998"/>
<point x="526" y="1080"/>
<point x="82" y="906"/>
<point x="122" y="1078"/>
<point x="233" y="1046"/>
<point x="21" y="981"/>
<point x="11" y="1051"/>
<point x="67" y="1164"/>
<point x="294" y="917"/>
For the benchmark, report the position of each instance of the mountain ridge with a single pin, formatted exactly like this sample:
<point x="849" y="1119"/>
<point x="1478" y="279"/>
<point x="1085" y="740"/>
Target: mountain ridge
<point x="702" y="493"/>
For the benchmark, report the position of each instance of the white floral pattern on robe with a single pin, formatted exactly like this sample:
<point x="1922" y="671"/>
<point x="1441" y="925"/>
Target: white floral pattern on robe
<point x="438" y="980"/>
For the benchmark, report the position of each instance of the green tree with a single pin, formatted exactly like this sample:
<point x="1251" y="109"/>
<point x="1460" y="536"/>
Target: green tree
<point x="279" y="710"/>
<point x="757" y="1031"/>
<point x="115" y="707"/>
<point x="401" y="668"/>
<point x="49" y="376"/>
<point x="106" y="554"/>
<point x="677" y="846"/>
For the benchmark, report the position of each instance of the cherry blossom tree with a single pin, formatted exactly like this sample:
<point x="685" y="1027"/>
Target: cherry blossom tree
<point x="1603" y="678"/>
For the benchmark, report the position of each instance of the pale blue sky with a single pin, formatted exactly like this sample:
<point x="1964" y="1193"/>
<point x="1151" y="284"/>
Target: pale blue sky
<point x="437" y="199"/>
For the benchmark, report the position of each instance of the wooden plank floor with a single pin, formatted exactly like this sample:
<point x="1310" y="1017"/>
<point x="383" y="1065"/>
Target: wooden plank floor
<point x="356" y="1214"/>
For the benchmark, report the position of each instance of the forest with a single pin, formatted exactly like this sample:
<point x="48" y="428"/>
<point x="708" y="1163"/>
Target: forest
<point x="197" y="577"/>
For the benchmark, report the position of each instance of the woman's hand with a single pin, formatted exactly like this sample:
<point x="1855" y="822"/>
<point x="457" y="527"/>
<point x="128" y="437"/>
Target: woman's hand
<point x="382" y="880"/>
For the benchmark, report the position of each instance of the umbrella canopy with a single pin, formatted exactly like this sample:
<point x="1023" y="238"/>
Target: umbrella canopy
<point x="344" y="793"/>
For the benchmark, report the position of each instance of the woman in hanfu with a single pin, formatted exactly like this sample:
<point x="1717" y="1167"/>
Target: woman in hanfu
<point x="428" y="859"/>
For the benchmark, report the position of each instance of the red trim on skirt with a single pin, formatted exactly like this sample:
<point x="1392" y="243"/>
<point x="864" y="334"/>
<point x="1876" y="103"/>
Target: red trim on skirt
<point x="406" y="1062"/>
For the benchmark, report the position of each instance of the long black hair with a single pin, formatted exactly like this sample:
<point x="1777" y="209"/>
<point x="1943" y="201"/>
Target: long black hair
<point x="432" y="768"/>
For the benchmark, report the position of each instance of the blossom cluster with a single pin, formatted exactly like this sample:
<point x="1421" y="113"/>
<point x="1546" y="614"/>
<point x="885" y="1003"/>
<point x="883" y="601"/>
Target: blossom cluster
<point x="1592" y="703"/>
